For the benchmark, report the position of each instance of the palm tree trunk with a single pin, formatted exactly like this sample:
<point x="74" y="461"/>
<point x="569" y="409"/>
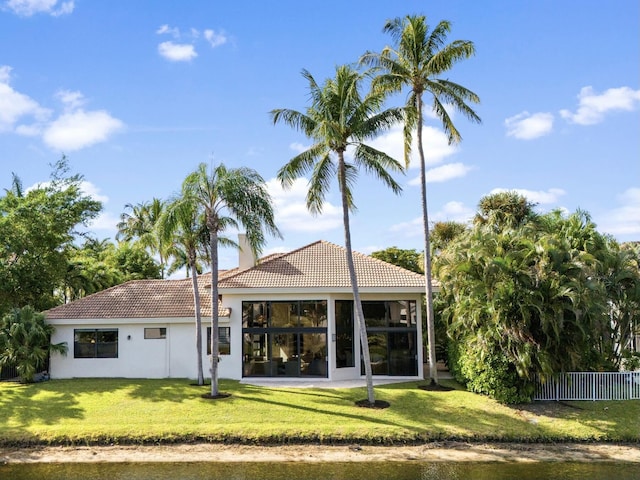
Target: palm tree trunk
<point x="213" y="246"/>
<point x="359" y="314"/>
<point x="196" y="302"/>
<point x="431" y="331"/>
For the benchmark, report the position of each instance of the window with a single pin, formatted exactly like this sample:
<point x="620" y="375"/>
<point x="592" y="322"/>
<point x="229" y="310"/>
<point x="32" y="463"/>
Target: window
<point x="284" y="338"/>
<point x="392" y="334"/>
<point x="344" y="334"/>
<point x="95" y="343"/>
<point x="153" y="333"/>
<point x="224" y="340"/>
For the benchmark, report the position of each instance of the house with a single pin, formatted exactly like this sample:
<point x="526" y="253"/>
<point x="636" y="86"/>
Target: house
<point x="288" y="315"/>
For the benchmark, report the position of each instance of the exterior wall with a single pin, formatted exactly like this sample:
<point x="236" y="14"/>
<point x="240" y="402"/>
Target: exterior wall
<point x="174" y="357"/>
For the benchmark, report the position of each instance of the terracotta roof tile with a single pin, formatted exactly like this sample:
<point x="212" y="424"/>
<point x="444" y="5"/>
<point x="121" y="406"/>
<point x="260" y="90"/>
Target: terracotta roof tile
<point x="140" y="299"/>
<point x="320" y="265"/>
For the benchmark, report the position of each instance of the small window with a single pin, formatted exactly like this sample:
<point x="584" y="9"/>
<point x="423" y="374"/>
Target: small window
<point x="153" y="333"/>
<point x="224" y="340"/>
<point x="95" y="343"/>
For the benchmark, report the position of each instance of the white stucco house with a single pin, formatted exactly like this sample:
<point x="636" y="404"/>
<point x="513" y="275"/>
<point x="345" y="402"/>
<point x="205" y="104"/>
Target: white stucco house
<point x="287" y="315"/>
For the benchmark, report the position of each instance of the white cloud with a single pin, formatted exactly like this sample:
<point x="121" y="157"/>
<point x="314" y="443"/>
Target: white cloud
<point x="27" y="8"/>
<point x="5" y="73"/>
<point x="540" y="197"/>
<point x="86" y="188"/>
<point x="412" y="228"/>
<point x="526" y="126"/>
<point x="291" y="211"/>
<point x="443" y="173"/>
<point x="92" y="191"/>
<point x="166" y="29"/>
<point x="80" y="129"/>
<point x="73" y="130"/>
<point x="177" y="52"/>
<point x="15" y="105"/>
<point x="183" y="51"/>
<point x="624" y="220"/>
<point x="593" y="107"/>
<point x="435" y="143"/>
<point x="450" y="212"/>
<point x="215" y="39"/>
<point x="105" y="221"/>
<point x="71" y="100"/>
<point x="453" y="212"/>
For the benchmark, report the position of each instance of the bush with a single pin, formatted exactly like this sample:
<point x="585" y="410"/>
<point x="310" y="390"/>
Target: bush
<point x="25" y="342"/>
<point x="489" y="374"/>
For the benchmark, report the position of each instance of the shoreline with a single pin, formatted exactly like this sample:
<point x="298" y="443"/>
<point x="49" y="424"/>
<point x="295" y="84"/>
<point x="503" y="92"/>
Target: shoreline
<point x="431" y="452"/>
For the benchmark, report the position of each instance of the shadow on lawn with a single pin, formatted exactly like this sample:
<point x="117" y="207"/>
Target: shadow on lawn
<point x="24" y="405"/>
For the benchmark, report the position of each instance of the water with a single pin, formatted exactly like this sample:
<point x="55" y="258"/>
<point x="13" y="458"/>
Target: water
<point x="320" y="471"/>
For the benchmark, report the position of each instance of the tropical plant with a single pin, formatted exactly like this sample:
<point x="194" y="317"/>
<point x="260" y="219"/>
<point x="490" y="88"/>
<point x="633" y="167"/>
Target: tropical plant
<point x="504" y="210"/>
<point x="407" y="259"/>
<point x="443" y="233"/>
<point x="36" y="230"/>
<point x="228" y="198"/>
<point x="418" y="60"/>
<point x="547" y="294"/>
<point x="141" y="225"/>
<point x="25" y="342"/>
<point x="340" y="118"/>
<point x="183" y="226"/>
<point x="87" y="270"/>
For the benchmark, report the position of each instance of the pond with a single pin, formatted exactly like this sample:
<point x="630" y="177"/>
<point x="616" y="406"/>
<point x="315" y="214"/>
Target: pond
<point x="334" y="471"/>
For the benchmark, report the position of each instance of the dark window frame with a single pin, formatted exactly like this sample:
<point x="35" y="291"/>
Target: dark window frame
<point x="81" y="350"/>
<point x="224" y="347"/>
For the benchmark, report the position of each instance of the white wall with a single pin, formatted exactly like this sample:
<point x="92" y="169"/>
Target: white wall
<point x="174" y="357"/>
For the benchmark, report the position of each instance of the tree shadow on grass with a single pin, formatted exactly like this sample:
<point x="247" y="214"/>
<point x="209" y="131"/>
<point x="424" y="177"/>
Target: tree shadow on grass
<point x="22" y="406"/>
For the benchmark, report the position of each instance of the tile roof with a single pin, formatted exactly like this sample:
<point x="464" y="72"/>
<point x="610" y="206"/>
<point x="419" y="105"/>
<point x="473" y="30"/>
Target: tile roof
<point x="320" y="265"/>
<point x="140" y="299"/>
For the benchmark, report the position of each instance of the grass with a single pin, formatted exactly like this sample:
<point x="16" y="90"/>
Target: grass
<point x="105" y="411"/>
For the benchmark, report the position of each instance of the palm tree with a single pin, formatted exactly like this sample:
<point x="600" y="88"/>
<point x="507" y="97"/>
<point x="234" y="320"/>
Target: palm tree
<point x="183" y="225"/>
<point x="228" y="198"/>
<point x="25" y="341"/>
<point x="141" y="224"/>
<point x="417" y="61"/>
<point x="340" y="118"/>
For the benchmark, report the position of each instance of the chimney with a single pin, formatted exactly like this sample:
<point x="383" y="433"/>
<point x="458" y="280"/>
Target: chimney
<point x="246" y="259"/>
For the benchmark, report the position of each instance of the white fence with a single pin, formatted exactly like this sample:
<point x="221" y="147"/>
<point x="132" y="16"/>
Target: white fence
<point x="590" y="386"/>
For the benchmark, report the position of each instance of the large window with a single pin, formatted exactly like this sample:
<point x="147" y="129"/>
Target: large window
<point x="95" y="343"/>
<point x="392" y="335"/>
<point x="224" y="340"/>
<point x="284" y="338"/>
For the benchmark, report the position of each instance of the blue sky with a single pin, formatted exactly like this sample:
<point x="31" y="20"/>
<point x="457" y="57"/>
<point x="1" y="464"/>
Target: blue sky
<point x="137" y="93"/>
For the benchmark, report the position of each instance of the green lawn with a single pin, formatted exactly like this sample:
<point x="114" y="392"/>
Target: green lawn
<point x="90" y="411"/>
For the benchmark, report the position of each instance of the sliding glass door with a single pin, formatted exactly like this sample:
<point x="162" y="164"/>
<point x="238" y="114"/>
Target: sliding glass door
<point x="284" y="339"/>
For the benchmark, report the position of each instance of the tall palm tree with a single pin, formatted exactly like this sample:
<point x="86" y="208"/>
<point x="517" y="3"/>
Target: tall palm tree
<point x="183" y="225"/>
<point x="229" y="198"/>
<point x="418" y="60"/>
<point x="141" y="224"/>
<point x="340" y="117"/>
